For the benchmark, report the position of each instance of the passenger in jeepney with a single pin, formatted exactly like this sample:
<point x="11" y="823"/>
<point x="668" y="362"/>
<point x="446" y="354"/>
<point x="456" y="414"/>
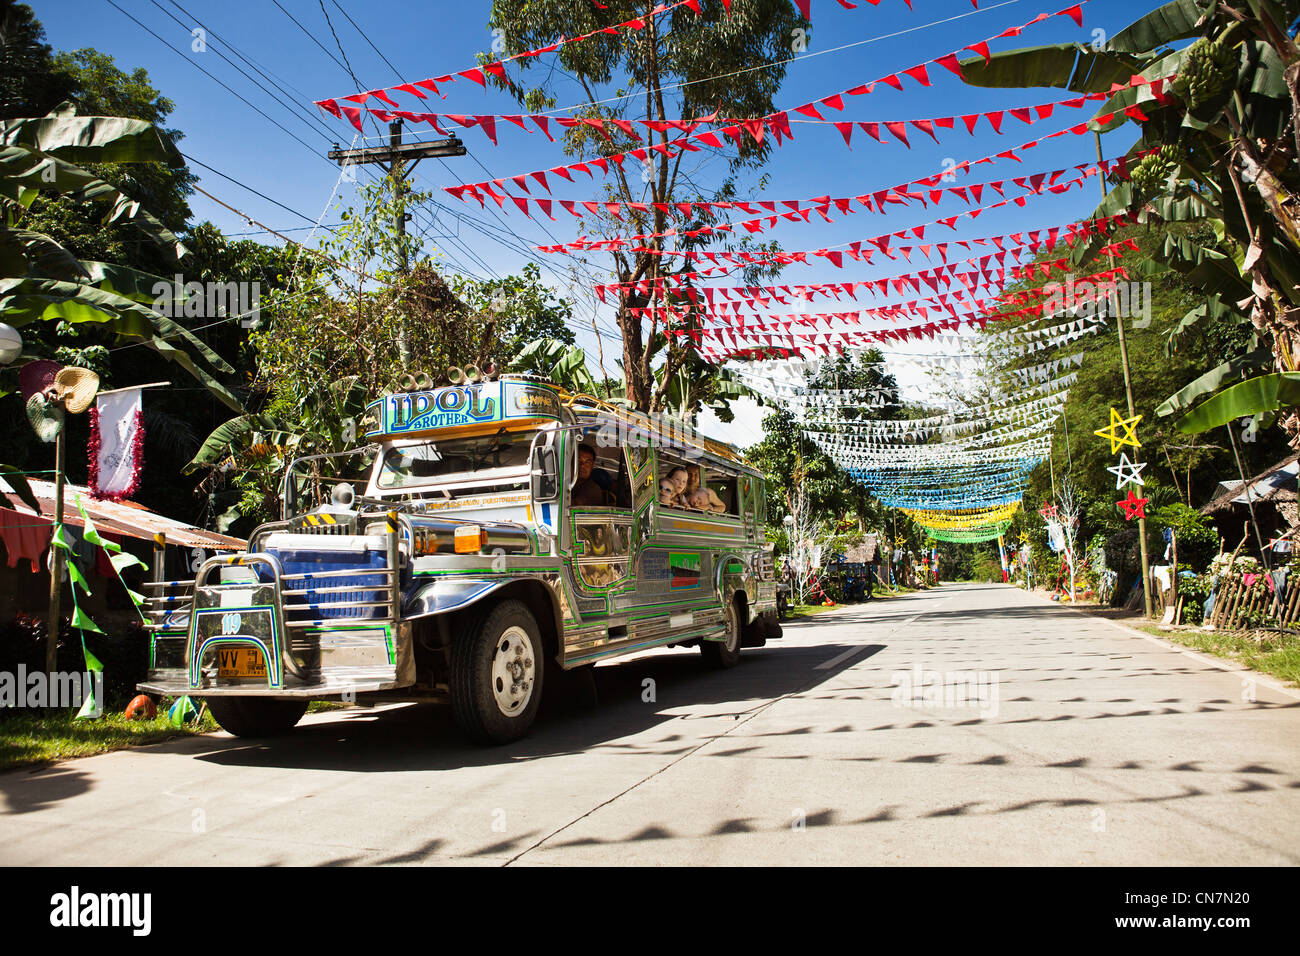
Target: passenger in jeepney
<point x="667" y="493"/>
<point x="677" y="478"/>
<point x="701" y="496"/>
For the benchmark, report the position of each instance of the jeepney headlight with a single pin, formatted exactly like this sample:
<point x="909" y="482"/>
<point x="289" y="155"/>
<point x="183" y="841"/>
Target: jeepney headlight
<point x="470" y="539"/>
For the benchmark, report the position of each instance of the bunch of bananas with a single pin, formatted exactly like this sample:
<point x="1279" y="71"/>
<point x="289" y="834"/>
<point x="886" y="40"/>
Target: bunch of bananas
<point x="1150" y="175"/>
<point x="1209" y="67"/>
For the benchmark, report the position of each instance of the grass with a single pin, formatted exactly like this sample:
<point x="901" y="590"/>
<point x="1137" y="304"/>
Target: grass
<point x="31" y="739"/>
<point x="1275" y="654"/>
<point x="797" y="611"/>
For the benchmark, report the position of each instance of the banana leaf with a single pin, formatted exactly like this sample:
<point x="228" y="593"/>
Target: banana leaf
<point x="218" y="444"/>
<point x="17" y="480"/>
<point x="1214" y="379"/>
<point x="24" y="173"/>
<point x="92" y="139"/>
<point x="1265" y="393"/>
<point x="1071" y="66"/>
<point x="1174" y="21"/>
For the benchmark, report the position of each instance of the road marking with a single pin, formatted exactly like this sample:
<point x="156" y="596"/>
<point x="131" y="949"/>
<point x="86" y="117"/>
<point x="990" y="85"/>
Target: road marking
<point x="826" y="665"/>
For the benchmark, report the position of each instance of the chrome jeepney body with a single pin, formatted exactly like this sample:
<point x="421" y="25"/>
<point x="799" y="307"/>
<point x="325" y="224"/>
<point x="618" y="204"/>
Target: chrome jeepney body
<point x="468" y="504"/>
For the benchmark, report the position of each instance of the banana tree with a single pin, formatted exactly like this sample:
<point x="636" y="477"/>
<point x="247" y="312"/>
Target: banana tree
<point x="1225" y="155"/>
<point x="41" y="281"/>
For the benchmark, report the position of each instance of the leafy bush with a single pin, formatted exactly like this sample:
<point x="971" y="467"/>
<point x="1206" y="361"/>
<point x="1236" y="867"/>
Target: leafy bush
<point x="1198" y="541"/>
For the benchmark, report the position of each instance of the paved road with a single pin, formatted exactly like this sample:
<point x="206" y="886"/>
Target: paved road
<point x="1061" y="740"/>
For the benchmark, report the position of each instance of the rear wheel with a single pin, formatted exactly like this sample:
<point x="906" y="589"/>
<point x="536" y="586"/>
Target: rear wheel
<point x="725" y="653"/>
<point x="496" y="675"/>
<point x="256" y="716"/>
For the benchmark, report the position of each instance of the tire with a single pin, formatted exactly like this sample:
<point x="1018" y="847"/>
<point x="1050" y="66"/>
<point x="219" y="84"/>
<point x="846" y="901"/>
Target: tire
<point x="724" y="654"/>
<point x="256" y="716"/>
<point x="495" y="675"/>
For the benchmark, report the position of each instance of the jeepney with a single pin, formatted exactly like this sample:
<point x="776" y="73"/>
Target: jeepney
<point x="462" y="570"/>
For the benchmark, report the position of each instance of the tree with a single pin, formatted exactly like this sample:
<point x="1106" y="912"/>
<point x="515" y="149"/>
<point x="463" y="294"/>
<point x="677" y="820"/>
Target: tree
<point x="785" y="452"/>
<point x="728" y="63"/>
<point x="1226" y="151"/>
<point x="31" y="84"/>
<point x="329" y="344"/>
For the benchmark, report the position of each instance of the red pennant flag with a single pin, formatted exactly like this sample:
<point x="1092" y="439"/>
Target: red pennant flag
<point x="925" y="126"/>
<point x="949" y="62"/>
<point x="995" y="118"/>
<point x="834" y="102"/>
<point x="809" y="109"/>
<point x="970" y="120"/>
<point x="489" y="125"/>
<point x="353" y="114"/>
<point x="872" y="130"/>
<point x="846" y="130"/>
<point x="982" y="48"/>
<point x="709" y="139"/>
<point x="1075" y="13"/>
<point x="1135" y="112"/>
<point x="919" y="74"/>
<point x="474" y="74"/>
<point x="898" y="129"/>
<point x="892" y="80"/>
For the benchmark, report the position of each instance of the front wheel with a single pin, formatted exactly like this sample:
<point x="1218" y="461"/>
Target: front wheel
<point x="496" y="675"/>
<point x="725" y="653"/>
<point x="256" y="716"/>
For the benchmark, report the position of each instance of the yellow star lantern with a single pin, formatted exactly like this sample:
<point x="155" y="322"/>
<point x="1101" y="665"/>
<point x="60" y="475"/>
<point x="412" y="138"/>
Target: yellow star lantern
<point x="1121" y="432"/>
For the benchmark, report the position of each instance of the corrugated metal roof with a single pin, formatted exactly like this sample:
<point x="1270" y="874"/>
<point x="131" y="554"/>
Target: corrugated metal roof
<point x="1276" y="485"/>
<point x="122" y="517"/>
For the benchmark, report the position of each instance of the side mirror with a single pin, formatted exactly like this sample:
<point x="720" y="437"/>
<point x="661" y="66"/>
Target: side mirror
<point x="545" y="474"/>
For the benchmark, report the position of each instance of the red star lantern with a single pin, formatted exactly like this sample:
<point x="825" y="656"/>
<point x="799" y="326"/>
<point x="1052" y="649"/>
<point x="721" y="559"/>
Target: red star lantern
<point x="1133" y="506"/>
<point x="1048" y="511"/>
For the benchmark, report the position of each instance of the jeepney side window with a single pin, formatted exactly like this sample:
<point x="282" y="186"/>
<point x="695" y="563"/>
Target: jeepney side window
<point x="609" y="471"/>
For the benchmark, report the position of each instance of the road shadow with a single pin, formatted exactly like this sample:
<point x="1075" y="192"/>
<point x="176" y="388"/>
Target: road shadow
<point x="634" y="695"/>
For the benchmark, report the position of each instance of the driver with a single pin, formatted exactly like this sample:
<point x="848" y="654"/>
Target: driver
<point x="586" y="493"/>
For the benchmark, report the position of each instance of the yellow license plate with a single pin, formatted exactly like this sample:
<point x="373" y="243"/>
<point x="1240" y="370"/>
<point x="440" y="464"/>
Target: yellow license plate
<point x="240" y="662"/>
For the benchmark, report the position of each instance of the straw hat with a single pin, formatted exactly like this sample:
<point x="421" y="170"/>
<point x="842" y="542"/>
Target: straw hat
<point x="46" y="417"/>
<point x="35" y="377"/>
<point x="76" y="388"/>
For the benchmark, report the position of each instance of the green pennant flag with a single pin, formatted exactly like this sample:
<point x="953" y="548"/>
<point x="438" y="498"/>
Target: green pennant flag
<point x="90" y="708"/>
<point x="82" y="622"/>
<point x="78" y="578"/>
<point x="123" y="560"/>
<point x="60" y="538"/>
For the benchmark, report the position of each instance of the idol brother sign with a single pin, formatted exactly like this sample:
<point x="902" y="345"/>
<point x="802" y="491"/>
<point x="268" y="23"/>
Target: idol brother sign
<point x="407" y="412"/>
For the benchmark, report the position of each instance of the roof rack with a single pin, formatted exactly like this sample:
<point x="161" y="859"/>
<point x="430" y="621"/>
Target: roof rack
<point x="680" y="429"/>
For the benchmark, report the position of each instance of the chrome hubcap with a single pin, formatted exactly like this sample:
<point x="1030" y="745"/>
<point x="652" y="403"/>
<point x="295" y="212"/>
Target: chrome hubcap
<point x="513" y="671"/>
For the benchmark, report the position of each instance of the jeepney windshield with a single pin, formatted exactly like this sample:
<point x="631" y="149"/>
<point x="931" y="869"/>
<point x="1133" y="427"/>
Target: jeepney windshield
<point x="426" y="463"/>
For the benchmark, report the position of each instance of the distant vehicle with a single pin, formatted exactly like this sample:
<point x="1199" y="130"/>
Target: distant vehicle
<point x="465" y="571"/>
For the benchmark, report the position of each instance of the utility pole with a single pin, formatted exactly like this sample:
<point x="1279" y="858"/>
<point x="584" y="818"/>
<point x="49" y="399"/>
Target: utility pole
<point x="398" y="161"/>
<point x="1128" y="393"/>
<point x="56" y="556"/>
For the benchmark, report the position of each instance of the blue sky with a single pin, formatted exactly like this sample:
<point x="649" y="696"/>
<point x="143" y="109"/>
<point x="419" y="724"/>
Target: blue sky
<point x="428" y="39"/>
